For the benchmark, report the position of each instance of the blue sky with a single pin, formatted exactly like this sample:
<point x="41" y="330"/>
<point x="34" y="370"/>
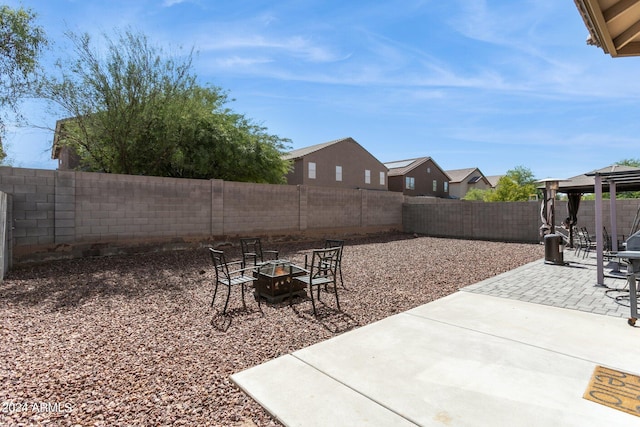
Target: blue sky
<point x="492" y="84"/>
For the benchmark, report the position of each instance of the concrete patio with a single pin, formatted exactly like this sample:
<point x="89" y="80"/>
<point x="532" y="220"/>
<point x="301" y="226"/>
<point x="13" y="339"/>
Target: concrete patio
<point x="517" y="349"/>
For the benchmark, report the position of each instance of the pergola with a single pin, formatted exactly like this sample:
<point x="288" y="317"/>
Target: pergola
<point x="610" y="179"/>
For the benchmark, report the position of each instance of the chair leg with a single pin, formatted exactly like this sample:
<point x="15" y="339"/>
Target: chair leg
<point x="214" y="294"/>
<point x="259" y="299"/>
<point x="244" y="304"/>
<point x="227" y="302"/>
<point x="341" y="281"/>
<point x="337" y="300"/>
<point x="313" y="303"/>
<point x="290" y="293"/>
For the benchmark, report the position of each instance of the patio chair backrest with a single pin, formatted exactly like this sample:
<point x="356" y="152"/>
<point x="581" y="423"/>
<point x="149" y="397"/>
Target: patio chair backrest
<point x="220" y="265"/>
<point x="324" y="263"/>
<point x="335" y="243"/>
<point x="251" y="249"/>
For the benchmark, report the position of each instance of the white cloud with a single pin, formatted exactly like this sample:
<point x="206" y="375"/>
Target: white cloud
<point x="239" y="61"/>
<point x="296" y="46"/>
<point x="169" y="3"/>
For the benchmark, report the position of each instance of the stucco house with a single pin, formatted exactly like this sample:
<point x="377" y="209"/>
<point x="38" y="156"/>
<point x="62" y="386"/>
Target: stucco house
<point x="418" y="177"/>
<point x="462" y="180"/>
<point x="340" y="163"/>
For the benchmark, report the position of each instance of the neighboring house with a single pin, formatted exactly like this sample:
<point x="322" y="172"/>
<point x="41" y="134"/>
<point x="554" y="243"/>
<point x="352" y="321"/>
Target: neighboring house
<point x="493" y="180"/>
<point x="418" y="177"/>
<point x="463" y="180"/>
<point x="67" y="158"/>
<point x="341" y="163"/>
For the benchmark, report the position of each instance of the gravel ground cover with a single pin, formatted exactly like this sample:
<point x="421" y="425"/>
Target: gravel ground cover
<point x="132" y="340"/>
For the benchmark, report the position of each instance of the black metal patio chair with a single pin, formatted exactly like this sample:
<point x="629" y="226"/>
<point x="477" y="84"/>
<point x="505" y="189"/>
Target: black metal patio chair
<point x="321" y="272"/>
<point x="336" y="243"/>
<point x="585" y="242"/>
<point x="230" y="274"/>
<point x="252" y="250"/>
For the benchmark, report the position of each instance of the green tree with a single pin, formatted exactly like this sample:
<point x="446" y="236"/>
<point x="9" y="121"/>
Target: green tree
<point x="21" y="43"/>
<point x="517" y="185"/>
<point x="629" y="194"/>
<point x="478" y="194"/>
<point x="629" y="162"/>
<point x="138" y="110"/>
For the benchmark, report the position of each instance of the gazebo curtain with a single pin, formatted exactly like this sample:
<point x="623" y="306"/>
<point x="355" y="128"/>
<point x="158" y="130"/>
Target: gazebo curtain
<point x="572" y="206"/>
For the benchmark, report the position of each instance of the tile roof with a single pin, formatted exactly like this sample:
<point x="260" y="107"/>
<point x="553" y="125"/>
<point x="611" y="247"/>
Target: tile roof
<point x="301" y="152"/>
<point x="493" y="179"/>
<point x="401" y="167"/>
<point x="459" y="175"/>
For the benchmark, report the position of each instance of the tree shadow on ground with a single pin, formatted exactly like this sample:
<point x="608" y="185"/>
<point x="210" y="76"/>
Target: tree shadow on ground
<point x="64" y="285"/>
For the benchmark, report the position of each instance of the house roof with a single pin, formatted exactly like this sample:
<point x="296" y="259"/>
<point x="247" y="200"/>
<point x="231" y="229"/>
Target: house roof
<point x="614" y="26"/>
<point x="301" y="152"/>
<point x="402" y="167"/>
<point x="493" y="179"/>
<point x="473" y="175"/>
<point x="459" y="175"/>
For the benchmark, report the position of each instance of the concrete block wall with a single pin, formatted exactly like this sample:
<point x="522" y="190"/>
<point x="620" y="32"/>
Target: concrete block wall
<point x="626" y="211"/>
<point x="382" y="208"/>
<point x="5" y="241"/>
<point x="333" y="207"/>
<point x="52" y="211"/>
<point x="513" y="221"/>
<point x="65" y="214"/>
<point x="111" y="207"/>
<point x="509" y="221"/>
<point x="260" y="208"/>
<point x="33" y="204"/>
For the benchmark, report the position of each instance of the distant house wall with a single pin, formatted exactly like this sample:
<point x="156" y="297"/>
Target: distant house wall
<point x="352" y="159"/>
<point x="424" y="174"/>
<point x="68" y="159"/>
<point x="458" y="190"/>
<point x="396" y="183"/>
<point x="298" y="173"/>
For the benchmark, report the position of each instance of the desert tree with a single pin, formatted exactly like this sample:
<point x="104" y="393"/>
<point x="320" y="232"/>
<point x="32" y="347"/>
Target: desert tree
<point x="133" y="108"/>
<point x="21" y="44"/>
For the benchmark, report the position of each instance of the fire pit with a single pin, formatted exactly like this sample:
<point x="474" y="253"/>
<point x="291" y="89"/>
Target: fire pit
<point x="274" y="280"/>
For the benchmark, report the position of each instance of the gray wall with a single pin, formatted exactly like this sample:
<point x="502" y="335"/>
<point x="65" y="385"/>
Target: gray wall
<point x="508" y="221"/>
<point x="513" y="221"/>
<point x="63" y="214"/>
<point x="5" y="241"/>
<point x="60" y="214"/>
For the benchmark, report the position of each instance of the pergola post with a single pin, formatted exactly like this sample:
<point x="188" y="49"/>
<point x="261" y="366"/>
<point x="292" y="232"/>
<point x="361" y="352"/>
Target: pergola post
<point x="614" y="217"/>
<point x="600" y="257"/>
